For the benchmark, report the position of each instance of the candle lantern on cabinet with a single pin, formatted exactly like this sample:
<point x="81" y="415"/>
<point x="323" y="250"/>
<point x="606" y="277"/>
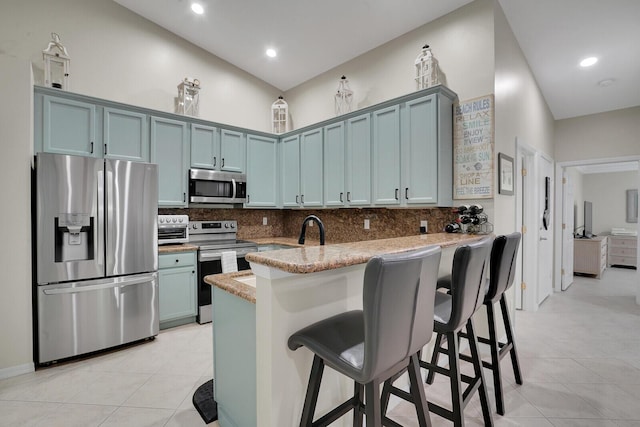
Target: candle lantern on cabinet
<point x="343" y="97"/>
<point x="189" y="97"/>
<point x="280" y="115"/>
<point x="56" y="64"/>
<point x="427" y="69"/>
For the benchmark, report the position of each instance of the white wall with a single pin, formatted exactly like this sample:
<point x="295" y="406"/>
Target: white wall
<point x="16" y="134"/>
<point x="462" y="41"/>
<point x="117" y="55"/>
<point x="611" y="134"/>
<point x="608" y="193"/>
<point x="521" y="111"/>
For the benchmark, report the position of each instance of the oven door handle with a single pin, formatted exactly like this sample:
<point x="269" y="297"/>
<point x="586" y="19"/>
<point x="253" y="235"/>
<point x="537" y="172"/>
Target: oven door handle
<point x="216" y="256"/>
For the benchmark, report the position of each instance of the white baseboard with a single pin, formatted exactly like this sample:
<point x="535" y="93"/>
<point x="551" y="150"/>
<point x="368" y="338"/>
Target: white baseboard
<point x="14" y="371"/>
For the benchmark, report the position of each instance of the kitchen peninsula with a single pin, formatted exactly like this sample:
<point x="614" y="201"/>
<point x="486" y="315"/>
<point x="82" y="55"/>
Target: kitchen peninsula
<point x="258" y="380"/>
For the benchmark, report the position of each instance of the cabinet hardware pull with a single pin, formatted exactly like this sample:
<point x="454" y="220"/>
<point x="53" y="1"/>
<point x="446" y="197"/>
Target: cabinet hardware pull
<point x="105" y="149"/>
<point x="214" y="161"/>
<point x="396" y="193"/>
<point x="184" y="197"/>
<point x="348" y="196"/>
<point x="177" y="260"/>
<point x="91" y="150"/>
<point x="297" y="199"/>
<point x="302" y="199"/>
<point x="248" y="199"/>
<point x="341" y="201"/>
<point x="222" y="165"/>
<point x="406" y="193"/>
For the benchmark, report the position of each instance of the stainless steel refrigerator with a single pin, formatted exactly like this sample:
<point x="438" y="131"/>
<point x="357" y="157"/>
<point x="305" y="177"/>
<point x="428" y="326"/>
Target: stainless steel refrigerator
<point x="96" y="254"/>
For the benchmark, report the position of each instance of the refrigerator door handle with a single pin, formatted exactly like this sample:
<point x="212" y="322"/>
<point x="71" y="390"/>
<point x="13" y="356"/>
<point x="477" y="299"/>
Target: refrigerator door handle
<point x="99" y="232"/>
<point x="88" y="288"/>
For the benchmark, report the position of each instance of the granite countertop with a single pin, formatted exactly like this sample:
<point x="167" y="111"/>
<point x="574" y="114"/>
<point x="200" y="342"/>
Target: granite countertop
<point x="170" y="249"/>
<point x="228" y="282"/>
<point x="312" y="259"/>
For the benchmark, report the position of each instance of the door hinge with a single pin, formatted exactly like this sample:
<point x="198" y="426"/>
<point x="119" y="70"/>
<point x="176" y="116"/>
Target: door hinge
<point x="562" y="271"/>
<point x="523" y="229"/>
<point x="564" y="180"/>
<point x="523" y="286"/>
<point x="564" y="226"/>
<point x="524" y="172"/>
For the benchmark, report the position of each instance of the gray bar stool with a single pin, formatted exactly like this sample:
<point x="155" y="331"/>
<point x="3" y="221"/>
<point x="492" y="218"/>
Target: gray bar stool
<point x="503" y="266"/>
<point x="453" y="313"/>
<point x="382" y="339"/>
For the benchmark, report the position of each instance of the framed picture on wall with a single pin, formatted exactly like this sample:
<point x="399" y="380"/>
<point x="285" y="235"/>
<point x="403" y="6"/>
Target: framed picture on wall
<point x="505" y="174"/>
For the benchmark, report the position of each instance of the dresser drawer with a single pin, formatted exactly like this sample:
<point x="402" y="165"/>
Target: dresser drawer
<point x="622" y="251"/>
<point x="185" y="259"/>
<point x="626" y="242"/>
<point x="621" y="260"/>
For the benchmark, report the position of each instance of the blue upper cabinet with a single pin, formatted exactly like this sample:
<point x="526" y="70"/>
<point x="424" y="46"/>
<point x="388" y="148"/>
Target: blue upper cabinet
<point x="420" y="151"/>
<point x="290" y="171"/>
<point x="232" y="151"/>
<point x="334" y="164"/>
<point x="358" y="166"/>
<point x="68" y="127"/>
<point x="311" y="168"/>
<point x="205" y="147"/>
<point x="262" y="171"/>
<point x="126" y="135"/>
<point x="386" y="156"/>
<point x="170" y="150"/>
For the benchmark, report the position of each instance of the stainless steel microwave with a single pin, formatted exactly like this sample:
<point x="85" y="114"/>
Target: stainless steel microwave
<point x="208" y="186"/>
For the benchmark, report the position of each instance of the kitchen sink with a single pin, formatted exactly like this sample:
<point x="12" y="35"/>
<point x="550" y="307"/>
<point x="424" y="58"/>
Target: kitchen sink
<point x="274" y="247"/>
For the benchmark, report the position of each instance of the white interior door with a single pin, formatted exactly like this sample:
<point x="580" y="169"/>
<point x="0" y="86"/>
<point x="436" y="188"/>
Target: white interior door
<point x="545" y="183"/>
<point x="567" y="231"/>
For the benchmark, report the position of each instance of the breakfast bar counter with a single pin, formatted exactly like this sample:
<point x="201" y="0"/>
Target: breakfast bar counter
<point x="258" y="380"/>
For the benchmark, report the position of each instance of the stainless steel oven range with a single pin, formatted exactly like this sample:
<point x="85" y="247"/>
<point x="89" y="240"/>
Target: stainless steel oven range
<point x="213" y="238"/>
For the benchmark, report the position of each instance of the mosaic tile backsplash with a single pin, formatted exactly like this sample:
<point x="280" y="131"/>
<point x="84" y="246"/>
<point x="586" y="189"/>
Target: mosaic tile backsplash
<point x="341" y="225"/>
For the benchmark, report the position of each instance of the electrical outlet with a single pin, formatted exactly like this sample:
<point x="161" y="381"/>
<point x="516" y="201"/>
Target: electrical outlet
<point x="423" y="226"/>
<point x="310" y="223"/>
<point x="366" y="224"/>
<point x="264" y="220"/>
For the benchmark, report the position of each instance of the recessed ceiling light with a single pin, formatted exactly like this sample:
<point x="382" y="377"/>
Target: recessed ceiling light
<point x="271" y="53"/>
<point x="588" y="62"/>
<point x="197" y="8"/>
<point x="606" y="82"/>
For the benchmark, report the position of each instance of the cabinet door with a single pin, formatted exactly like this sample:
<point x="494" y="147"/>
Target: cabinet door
<point x="311" y="168"/>
<point x="126" y="135"/>
<point x="170" y="150"/>
<point x="177" y="293"/>
<point x="420" y="151"/>
<point x="262" y="172"/>
<point x="334" y="164"/>
<point x="386" y="156"/>
<point x="232" y="155"/>
<point x="205" y="147"/>
<point x="69" y="127"/>
<point x="358" y="166"/>
<point x="290" y="171"/>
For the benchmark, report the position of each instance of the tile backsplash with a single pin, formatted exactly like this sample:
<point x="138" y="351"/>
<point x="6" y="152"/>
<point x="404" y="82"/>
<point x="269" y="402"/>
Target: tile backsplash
<point x="341" y="225"/>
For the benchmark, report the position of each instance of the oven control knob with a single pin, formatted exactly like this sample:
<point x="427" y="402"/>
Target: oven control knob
<point x="233" y="225"/>
<point x="180" y="220"/>
<point x="194" y="226"/>
<point x="161" y="220"/>
<point x="174" y="220"/>
<point x="226" y="225"/>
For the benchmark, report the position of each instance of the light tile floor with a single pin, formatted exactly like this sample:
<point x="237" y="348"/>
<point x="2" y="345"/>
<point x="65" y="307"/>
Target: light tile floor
<point x="580" y="356"/>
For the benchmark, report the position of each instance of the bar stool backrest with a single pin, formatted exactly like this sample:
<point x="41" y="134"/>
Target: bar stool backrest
<point x="398" y="303"/>
<point x="503" y="265"/>
<point x="467" y="278"/>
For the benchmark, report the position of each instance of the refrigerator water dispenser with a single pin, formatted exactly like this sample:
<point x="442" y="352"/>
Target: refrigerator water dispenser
<point x="74" y="237"/>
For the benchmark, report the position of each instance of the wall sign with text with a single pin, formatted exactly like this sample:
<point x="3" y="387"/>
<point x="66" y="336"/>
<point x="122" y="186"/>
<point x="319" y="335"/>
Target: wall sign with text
<point x="473" y="148"/>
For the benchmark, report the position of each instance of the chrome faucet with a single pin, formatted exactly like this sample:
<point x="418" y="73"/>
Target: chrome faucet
<point x="304" y="228"/>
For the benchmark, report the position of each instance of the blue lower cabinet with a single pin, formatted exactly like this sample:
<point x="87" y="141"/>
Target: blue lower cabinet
<point x="177" y="289"/>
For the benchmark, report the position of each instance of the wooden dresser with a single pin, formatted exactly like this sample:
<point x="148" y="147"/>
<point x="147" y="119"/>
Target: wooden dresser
<point x="590" y="255"/>
<point x="623" y="250"/>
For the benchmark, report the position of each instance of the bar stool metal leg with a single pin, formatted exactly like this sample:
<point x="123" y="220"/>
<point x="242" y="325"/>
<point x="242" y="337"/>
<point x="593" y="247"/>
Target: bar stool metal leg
<point x="477" y="367"/>
<point x="434" y="358"/>
<point x="357" y="411"/>
<point x="313" y="389"/>
<point x="510" y="340"/>
<point x="495" y="358"/>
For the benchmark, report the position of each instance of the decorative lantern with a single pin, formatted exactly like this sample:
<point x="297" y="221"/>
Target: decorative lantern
<point x="427" y="70"/>
<point x="280" y="115"/>
<point x="189" y="97"/>
<point x="56" y="64"/>
<point x="343" y="97"/>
